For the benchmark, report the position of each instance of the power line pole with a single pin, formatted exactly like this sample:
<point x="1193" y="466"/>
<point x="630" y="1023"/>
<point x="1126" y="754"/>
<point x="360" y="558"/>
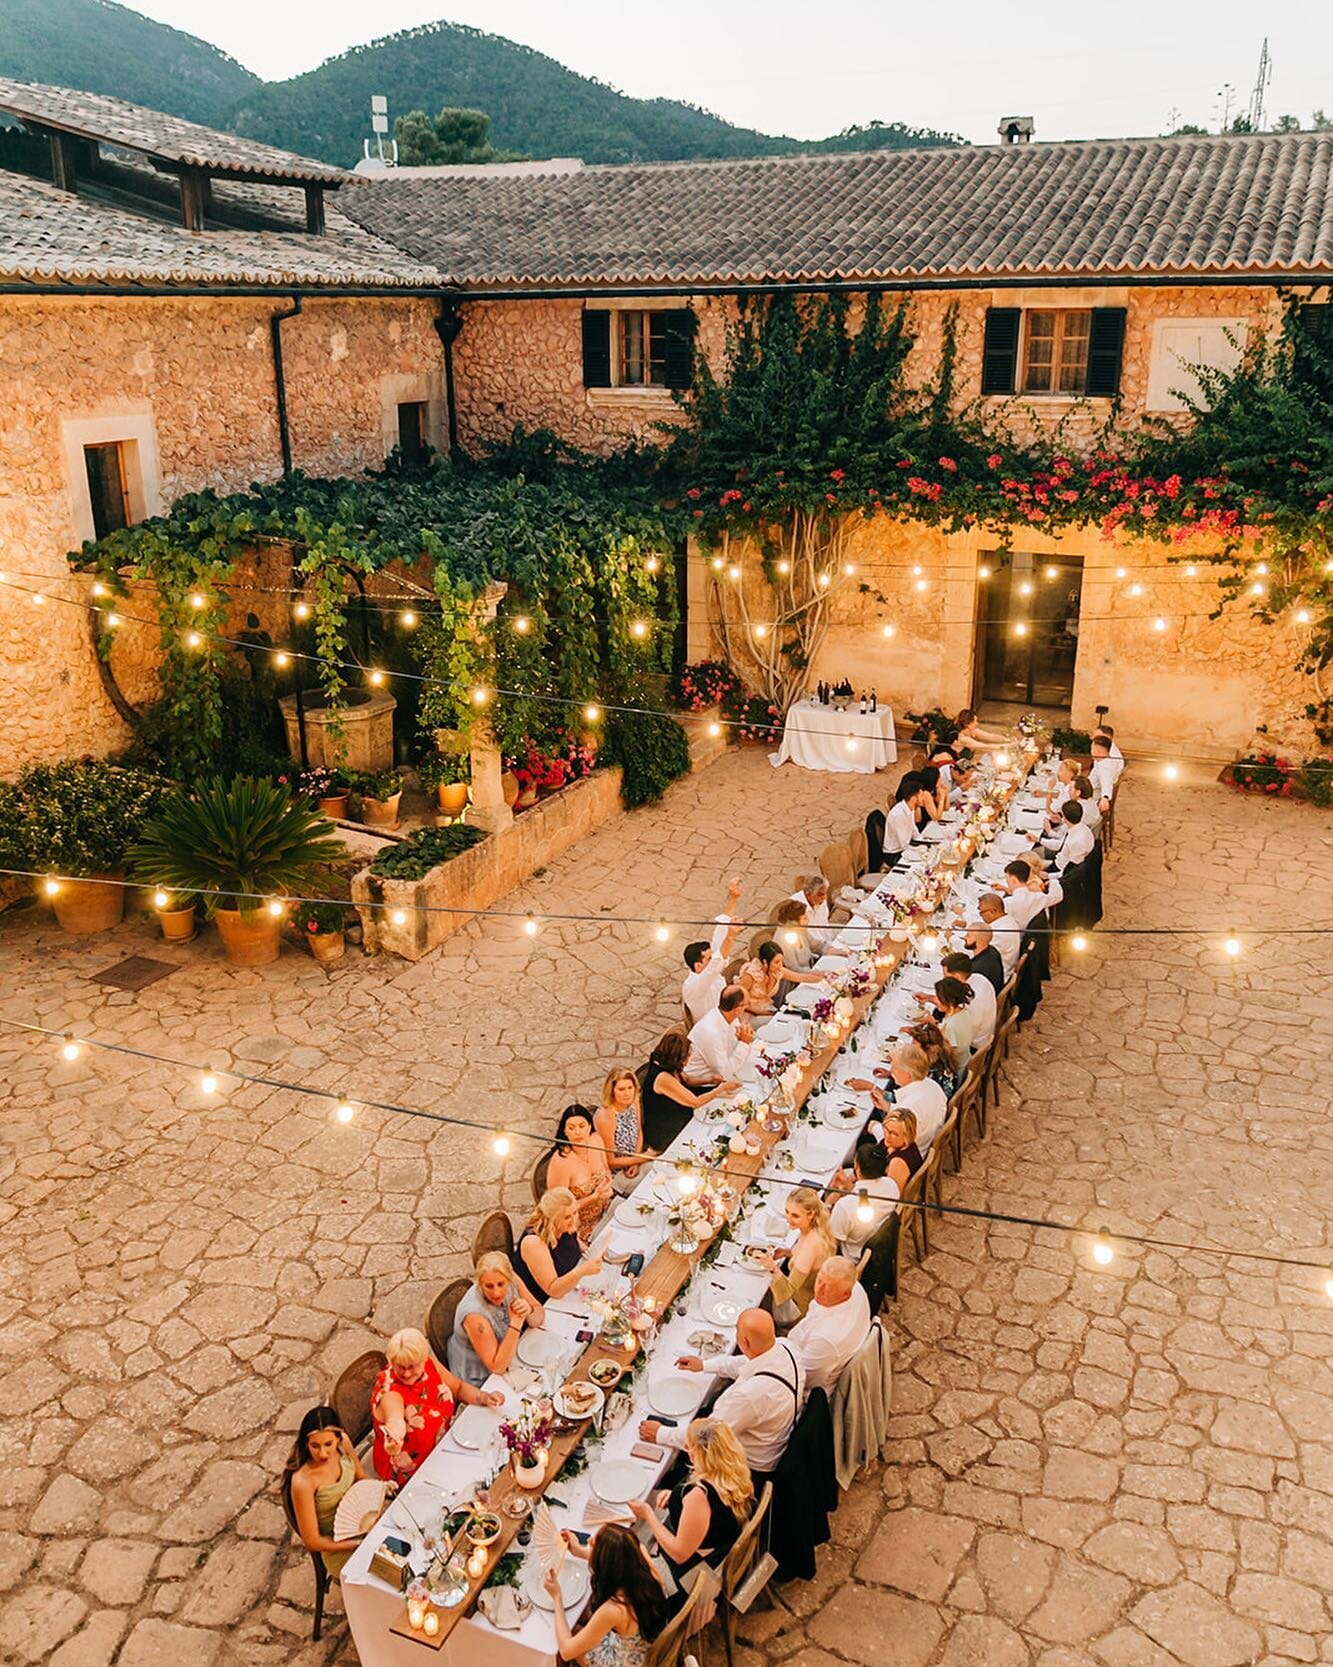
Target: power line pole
<point x="1261" y="84"/>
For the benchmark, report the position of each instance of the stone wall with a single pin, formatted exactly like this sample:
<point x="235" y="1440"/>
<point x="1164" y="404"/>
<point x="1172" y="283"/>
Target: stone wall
<point x="192" y="380"/>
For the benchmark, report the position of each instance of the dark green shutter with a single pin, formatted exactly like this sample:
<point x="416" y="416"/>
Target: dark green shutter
<point x="999" y="353"/>
<point x="679" y="324"/>
<point x="1106" y="343"/>
<point x="1313" y="347"/>
<point x="596" y="348"/>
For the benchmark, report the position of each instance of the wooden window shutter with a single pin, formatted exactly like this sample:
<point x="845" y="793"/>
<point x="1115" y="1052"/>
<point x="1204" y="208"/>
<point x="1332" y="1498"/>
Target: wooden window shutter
<point x="1105" y="347"/>
<point x="680" y="324"/>
<point x="999" y="353"/>
<point x="1313" y="346"/>
<point x="596" y="348"/>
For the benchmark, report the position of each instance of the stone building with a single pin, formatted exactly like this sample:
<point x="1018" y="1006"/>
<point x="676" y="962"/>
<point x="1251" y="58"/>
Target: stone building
<point x="181" y="308"/>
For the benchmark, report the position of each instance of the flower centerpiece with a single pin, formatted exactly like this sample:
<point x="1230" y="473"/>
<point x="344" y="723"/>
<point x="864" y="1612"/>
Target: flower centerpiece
<point x="528" y="1438"/>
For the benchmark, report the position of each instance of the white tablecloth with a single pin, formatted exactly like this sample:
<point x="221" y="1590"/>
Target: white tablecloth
<point x="822" y="738"/>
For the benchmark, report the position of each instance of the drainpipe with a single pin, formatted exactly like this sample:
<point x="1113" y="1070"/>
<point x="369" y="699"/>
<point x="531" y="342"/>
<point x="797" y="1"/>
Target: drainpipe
<point x="447" y="327"/>
<point x="280" y="381"/>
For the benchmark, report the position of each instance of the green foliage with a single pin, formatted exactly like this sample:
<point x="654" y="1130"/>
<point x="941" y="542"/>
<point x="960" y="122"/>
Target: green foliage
<point x="1072" y="740"/>
<point x="454" y="136"/>
<point x="312" y="919"/>
<point x="246" y="839"/>
<point x="412" y="858"/>
<point x="374" y="784"/>
<point x="1263" y="772"/>
<point x="933" y="728"/>
<point x="651" y="749"/>
<point x="76" y="818"/>
<point x="444" y="770"/>
<point x="1316" y="777"/>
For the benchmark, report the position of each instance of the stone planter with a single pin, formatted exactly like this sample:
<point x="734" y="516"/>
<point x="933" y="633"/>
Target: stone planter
<point x="367" y="731"/>
<point x="326" y="947"/>
<point x="177" y="924"/>
<point x="451" y="796"/>
<point x="92" y="905"/>
<point x="249" y="939"/>
<point x="334" y="807"/>
<point x="380" y="813"/>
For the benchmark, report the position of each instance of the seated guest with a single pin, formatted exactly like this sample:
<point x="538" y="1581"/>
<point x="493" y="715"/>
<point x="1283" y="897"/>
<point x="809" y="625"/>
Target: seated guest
<point x="668" y="1104"/>
<point x="763" y="979"/>
<point x="887" y="837"/>
<point x="813" y="895"/>
<point x="619" y="1126"/>
<point x="1006" y="935"/>
<point x="626" y="1607"/>
<point x="705" y="962"/>
<point x="912" y="1090"/>
<point x="761" y="1402"/>
<point x="550" y="1255"/>
<point x="835" y="1326"/>
<point x="1061" y="789"/>
<point x="1075" y="843"/>
<point x="722" y="1045"/>
<point x="981" y="1011"/>
<point x="703" y="1515"/>
<point x="952" y="999"/>
<point x="1117" y="757"/>
<point x="1105" y="772"/>
<point x="899" y="1142"/>
<point x="320" y="1469"/>
<point x="933" y="799"/>
<point x="963" y="780"/>
<point x="974" y="738"/>
<point x="579" y="1163"/>
<point x="1028" y="890"/>
<point x="793" y="1271"/>
<point x="1086" y="794"/>
<point x="939" y="1055"/>
<point x="792" y="929"/>
<point x="943" y="762"/>
<point x="854" y="1218"/>
<point x="412" y="1403"/>
<point x="490" y="1319"/>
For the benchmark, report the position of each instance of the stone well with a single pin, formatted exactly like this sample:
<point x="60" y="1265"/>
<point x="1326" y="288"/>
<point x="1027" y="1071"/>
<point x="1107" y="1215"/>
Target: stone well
<point x="367" y="731"/>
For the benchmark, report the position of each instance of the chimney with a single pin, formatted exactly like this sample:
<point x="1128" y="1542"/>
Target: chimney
<point x="1016" y="130"/>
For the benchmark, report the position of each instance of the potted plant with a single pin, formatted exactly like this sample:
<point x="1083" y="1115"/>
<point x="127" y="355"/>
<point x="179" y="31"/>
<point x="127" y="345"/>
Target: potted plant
<point x="377" y="793"/>
<point x="327" y="788"/>
<point x="175" y="914"/>
<point x="240" y="845"/>
<point x="449" y="779"/>
<point x="321" y="925"/>
<point x="74" y="822"/>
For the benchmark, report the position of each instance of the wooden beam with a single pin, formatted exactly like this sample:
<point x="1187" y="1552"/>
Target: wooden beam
<point x="64" y="173"/>
<point x="314" y="209"/>
<point x="196" y="198"/>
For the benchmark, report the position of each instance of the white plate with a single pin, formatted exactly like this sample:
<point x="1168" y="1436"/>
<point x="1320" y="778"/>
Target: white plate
<point x="587" y="1411"/>
<point x="574" y="1583"/>
<point x="475" y="1426"/>
<point x="721" y="1309"/>
<point x="834" y="1118"/>
<point x="617" y="1481"/>
<point x="364" y="1499"/>
<point x="820" y="1153"/>
<point x="635" y="1212"/>
<point x="538" y="1348"/>
<point x="676" y="1396"/>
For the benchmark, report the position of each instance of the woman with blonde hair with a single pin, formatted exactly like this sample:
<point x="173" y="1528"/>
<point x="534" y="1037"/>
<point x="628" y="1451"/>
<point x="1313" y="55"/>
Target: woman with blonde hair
<point x="412" y="1403"/>
<point x="701" y="1519"/>
<point x="551" y="1256"/>
<point x="794" y="1271"/>
<point x="619" y="1125"/>
<point x="490" y="1319"/>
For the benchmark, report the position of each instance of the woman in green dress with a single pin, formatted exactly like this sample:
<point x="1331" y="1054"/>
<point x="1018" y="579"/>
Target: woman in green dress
<point x="322" y="1466"/>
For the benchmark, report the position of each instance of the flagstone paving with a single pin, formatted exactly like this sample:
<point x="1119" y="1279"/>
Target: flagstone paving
<point x="1128" y="1466"/>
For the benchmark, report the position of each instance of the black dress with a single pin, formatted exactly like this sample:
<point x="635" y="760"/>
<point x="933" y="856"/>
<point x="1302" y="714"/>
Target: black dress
<point x="724" y="1527"/>
<point x="566" y="1253"/>
<point x="663" y="1118"/>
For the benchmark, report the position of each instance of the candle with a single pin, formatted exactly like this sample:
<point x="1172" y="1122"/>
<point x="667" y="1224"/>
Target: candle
<point x="415" y="1612"/>
<point x="476" y="1563"/>
<point x="430" y="1624"/>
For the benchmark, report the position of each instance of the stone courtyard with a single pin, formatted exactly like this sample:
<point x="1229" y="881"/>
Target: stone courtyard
<point x="1128" y="1466"/>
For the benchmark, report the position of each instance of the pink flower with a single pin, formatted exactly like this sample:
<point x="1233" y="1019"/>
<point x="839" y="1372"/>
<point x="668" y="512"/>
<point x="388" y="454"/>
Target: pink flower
<point x="994" y="460"/>
<point x="948" y="463"/>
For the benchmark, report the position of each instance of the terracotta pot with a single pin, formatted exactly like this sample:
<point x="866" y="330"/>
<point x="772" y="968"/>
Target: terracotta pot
<point x="452" y="797"/>
<point x="509" y="787"/>
<point x="177" y="924"/>
<point x="326" y="947"/>
<point x="335" y="806"/>
<point x="250" y="940"/>
<point x="526" y="799"/>
<point x="92" y="905"/>
<point x="380" y="813"/>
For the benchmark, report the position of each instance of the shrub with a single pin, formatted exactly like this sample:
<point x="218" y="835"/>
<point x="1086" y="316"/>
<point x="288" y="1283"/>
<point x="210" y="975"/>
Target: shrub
<point x="375" y="784"/>
<point x="413" y="857"/>
<point x="761" y="721"/>
<point x="1263" y="772"/>
<point x="76" y="818"/>
<point x="706" y="683"/>
<point x="650" y="748"/>
<point x="1317" y="780"/>
<point x="1071" y="740"/>
<point x="444" y="771"/>
<point x="318" y="918"/>
<point x="934" y="728"/>
<point x="319" y="782"/>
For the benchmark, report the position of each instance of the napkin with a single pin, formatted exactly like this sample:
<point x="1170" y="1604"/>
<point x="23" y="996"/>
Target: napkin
<point x="505" y="1607"/>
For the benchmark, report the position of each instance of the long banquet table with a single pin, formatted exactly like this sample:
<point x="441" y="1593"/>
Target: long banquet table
<point x="823" y="1120"/>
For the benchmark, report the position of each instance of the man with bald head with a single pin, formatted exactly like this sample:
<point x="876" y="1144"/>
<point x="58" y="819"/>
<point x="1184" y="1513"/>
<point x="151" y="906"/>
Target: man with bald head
<point x="835" y="1325"/>
<point x="762" y="1400"/>
<point x="985" y="957"/>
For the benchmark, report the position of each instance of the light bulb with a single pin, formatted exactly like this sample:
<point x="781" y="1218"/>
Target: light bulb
<point x="851" y="743"/>
<point x="193" y="639"/>
<point x="70" y="1049"/>
<point x="638" y="629"/>
<point x="302" y="610"/>
<point x="733" y="572"/>
<point x="849" y="568"/>
<point x="1159" y="624"/>
<point x="1136" y="590"/>
<point x="344" y="1111"/>
<point x="651" y="565"/>
<point x="1171" y="771"/>
<point x="1328" y="567"/>
<point x="501" y="1144"/>
<point x="1052" y="572"/>
<point x="1078" y="942"/>
<point x="38" y="600"/>
<point x="1256" y="589"/>
<point x="530" y="926"/>
<point x="113" y="619"/>
<point x="1262" y="567"/>
<point x="99" y="589"/>
<point x="196" y="600"/>
<point x="1103" y="1252"/>
<point x="522" y="625"/>
<point x="399" y="917"/>
<point x="592" y="712"/>
<point x="718" y="564"/>
<point x="275" y="907"/>
<point x="824" y="581"/>
<point x="1190" y="571"/>
<point x="662" y="931"/>
<point x="887" y="630"/>
<point x="375" y="678"/>
<point x="918" y="570"/>
<point x="864" y="1210"/>
<point x="1025" y="589"/>
<point x="50" y="887"/>
<point x="686" y="1179"/>
<point x="761" y="631"/>
<point x="1021" y="630"/>
<point x="983" y="573"/>
<point x="1303" y="616"/>
<point x="480" y="696"/>
<point x="160" y="899"/>
<point x="281" y="659"/>
<point x="1328" y="1286"/>
<point x="784" y="567"/>
<point x="928" y="943"/>
<point x="923" y="584"/>
<point x="1002" y="760"/>
<point x="208" y="1083"/>
<point x="1231" y="944"/>
<point x="715" y="729"/>
<point x="790" y="938"/>
<point x="1122" y="572"/>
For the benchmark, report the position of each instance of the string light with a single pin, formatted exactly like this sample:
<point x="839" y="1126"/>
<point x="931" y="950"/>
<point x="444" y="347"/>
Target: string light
<point x="530" y="926"/>
<point x="1002" y="759"/>
<point x="1078" y="942"/>
<point x="1257" y="589"/>
<point x="193" y="640"/>
<point x="480" y="696"/>
<point x="784" y="567"/>
<point x="824" y="581"/>
<point x="1232" y="945"/>
<point x="928" y="943"/>
<point x="1025" y="589"/>
<point x="917" y="569"/>
<point x="1136" y="590"/>
<point x="983" y="573"/>
<point x="344" y="1111"/>
<point x="851" y="743"/>
<point x="51" y="887"/>
<point x="639" y="629"/>
<point x="302" y="610"/>
<point x="1303" y="616"/>
<point x="1190" y="571"/>
<point x="375" y="678"/>
<point x="1052" y="572"/>
<point x="407" y="618"/>
<point x="501" y="1143"/>
<point x="592" y="712"/>
<point x="1122" y="572"/>
<point x="790" y="938"/>
<point x="208" y="1083"/>
<point x="761" y="631"/>
<point x="197" y="600"/>
<point x="864" y="1209"/>
<point x="1021" y="630"/>
<point x="281" y="659"/>
<point x="888" y="630"/>
<point x="99" y="589"/>
<point x="1261" y="567"/>
<point x="1171" y="772"/>
<point x="38" y="600"/>
<point x="113" y="620"/>
<point x="161" y="899"/>
<point x="651" y="565"/>
<point x="275" y="907"/>
<point x="849" y="568"/>
<point x="1103" y="1251"/>
<point x="399" y="917"/>
<point x="521" y="624"/>
<point x="733" y="572"/>
<point x="922" y="584"/>
<point x="1159" y="624"/>
<point x="70" y="1049"/>
<point x="662" y="932"/>
<point x="686" y="1179"/>
<point x="718" y="564"/>
<point x="1328" y="1286"/>
<point x="715" y="729"/>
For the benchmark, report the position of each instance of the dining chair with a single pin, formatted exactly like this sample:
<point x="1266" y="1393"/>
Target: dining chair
<point x="440" y="1316"/>
<point x="322" y="1577"/>
<point x="667" y="1648"/>
<point x="965" y="1100"/>
<point x="835" y="864"/>
<point x="912" y="1195"/>
<point x="495" y="1233"/>
<point x="539" y="1173"/>
<point x="995" y="1056"/>
<point x="350" y="1395"/>
<point x="765" y="934"/>
<point x="859" y="846"/>
<point x="744" y="1572"/>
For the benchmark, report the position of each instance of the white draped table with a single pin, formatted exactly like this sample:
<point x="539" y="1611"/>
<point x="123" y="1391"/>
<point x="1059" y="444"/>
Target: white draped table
<point x="819" y="737"/>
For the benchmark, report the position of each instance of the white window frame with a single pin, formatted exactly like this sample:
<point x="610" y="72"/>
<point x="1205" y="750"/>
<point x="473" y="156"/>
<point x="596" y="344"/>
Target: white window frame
<point x="135" y="434"/>
<point x="1167" y="363"/>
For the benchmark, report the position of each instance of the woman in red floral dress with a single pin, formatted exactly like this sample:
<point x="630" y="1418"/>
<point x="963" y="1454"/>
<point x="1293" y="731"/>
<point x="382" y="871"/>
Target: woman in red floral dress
<point x="412" y="1405"/>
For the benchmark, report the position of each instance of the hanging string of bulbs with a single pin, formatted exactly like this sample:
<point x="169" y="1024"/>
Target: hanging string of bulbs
<point x="687" y="1176"/>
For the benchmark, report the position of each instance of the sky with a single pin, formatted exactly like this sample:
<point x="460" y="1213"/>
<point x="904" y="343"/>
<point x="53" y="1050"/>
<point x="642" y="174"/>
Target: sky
<point x="789" y="66"/>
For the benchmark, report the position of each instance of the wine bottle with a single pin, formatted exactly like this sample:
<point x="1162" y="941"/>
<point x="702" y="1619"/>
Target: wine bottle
<point x="874" y="704"/>
<point x="864" y="708"/>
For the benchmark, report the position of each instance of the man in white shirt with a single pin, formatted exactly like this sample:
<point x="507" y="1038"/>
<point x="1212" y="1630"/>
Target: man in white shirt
<point x="1086" y="794"/>
<point x="1006" y="934"/>
<point x="813" y="895"/>
<point x="900" y="826"/>
<point x="881" y="1194"/>
<point x="762" y="1401"/>
<point x="1022" y="904"/>
<point x="1076" y="843"/>
<point x="1105" y="772"/>
<point x="981" y="1009"/>
<point x="914" y="1091"/>
<point x="835" y="1325"/>
<point x="706" y="962"/>
<point x="722" y="1045"/>
<point x="1117" y="757"/>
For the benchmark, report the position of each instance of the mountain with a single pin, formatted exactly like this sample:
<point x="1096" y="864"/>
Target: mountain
<point x="101" y="47"/>
<point x="536" y="105"/>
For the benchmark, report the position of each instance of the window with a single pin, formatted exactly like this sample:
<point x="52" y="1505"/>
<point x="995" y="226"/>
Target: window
<point x="108" y="489"/>
<point x="638" y="347"/>
<point x="1055" y="352"/>
<point x="412" y="443"/>
<point x="642" y="349"/>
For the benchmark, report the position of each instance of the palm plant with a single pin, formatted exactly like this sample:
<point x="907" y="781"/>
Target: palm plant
<point x="246" y="840"/>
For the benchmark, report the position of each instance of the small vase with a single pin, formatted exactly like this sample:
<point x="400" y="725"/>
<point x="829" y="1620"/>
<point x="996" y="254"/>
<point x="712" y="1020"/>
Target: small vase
<point x="334" y="806"/>
<point x="326" y="947"/>
<point x="177" y="924"/>
<point x="530" y="1475"/>
<point x="381" y="813"/>
<point x="452" y="797"/>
